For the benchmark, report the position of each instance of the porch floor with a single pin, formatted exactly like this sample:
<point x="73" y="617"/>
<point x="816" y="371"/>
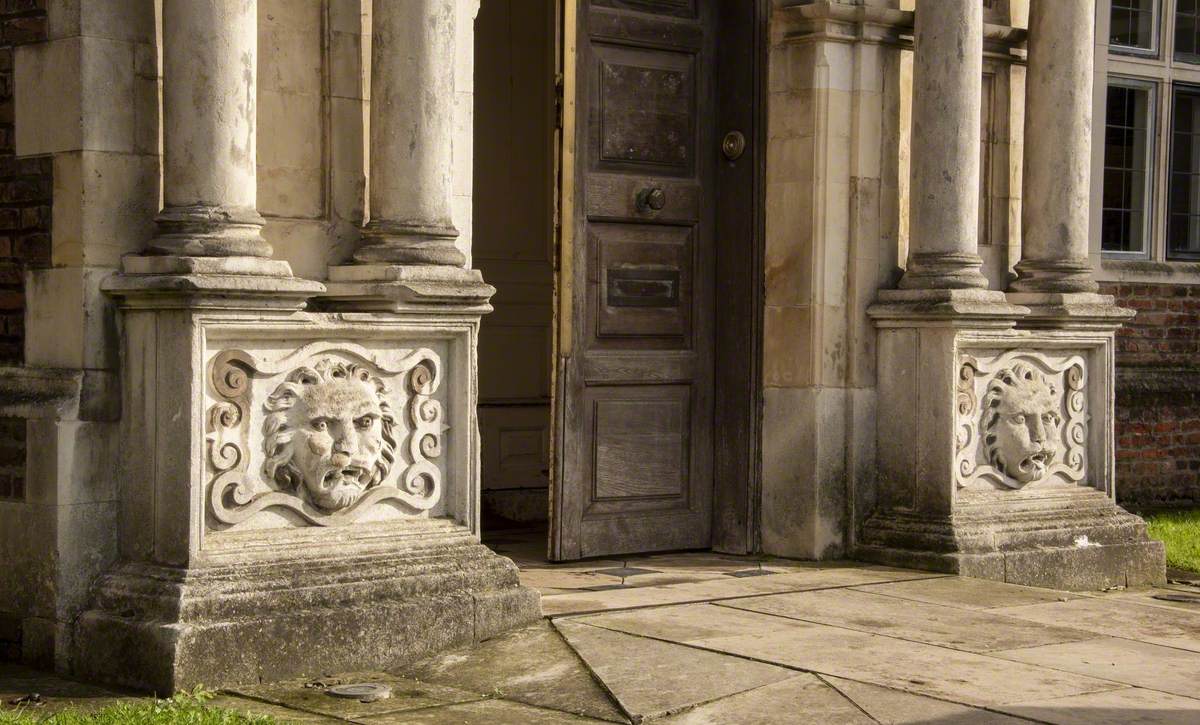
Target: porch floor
<point x="707" y="638"/>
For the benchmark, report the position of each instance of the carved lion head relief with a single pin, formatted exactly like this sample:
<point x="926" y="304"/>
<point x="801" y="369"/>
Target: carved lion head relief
<point x="1021" y="423"/>
<point x="328" y="433"/>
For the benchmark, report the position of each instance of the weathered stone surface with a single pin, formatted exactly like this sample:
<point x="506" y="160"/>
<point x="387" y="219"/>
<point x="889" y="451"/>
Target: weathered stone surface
<point x="803" y="698"/>
<point x="687" y="622"/>
<point x="938" y="672"/>
<point x="1113" y="617"/>
<point x="901" y="708"/>
<point x="167" y="629"/>
<point x="799" y="579"/>
<point x="915" y="621"/>
<point x="494" y="712"/>
<point x="1119" y="660"/>
<point x="967" y="593"/>
<point x="1114" y="707"/>
<point x="652" y="679"/>
<point x="531" y="665"/>
<point x="309" y="695"/>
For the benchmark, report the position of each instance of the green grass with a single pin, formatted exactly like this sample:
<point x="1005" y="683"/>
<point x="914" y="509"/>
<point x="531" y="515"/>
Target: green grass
<point x="182" y="709"/>
<point x="1180" y="531"/>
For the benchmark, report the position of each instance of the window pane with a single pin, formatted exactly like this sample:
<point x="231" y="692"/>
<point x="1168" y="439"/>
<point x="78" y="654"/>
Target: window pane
<point x="1131" y="24"/>
<point x="1187" y="31"/>
<point x="1183" y="233"/>
<point x="1126" y="155"/>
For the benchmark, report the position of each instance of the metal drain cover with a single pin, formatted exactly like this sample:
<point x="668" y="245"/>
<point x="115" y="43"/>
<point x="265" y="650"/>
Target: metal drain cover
<point x="363" y="692"/>
<point x="1185" y="598"/>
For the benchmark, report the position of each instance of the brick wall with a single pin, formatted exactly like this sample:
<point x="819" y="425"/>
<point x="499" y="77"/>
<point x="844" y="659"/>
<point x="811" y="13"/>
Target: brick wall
<point x="25" y="195"/>
<point x="1158" y="395"/>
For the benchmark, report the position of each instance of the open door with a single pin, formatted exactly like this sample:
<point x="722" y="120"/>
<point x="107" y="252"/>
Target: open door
<point x="634" y="416"/>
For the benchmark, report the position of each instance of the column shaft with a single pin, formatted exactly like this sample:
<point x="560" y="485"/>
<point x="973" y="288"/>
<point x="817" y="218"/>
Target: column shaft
<point x="1058" y="148"/>
<point x="210" y="50"/>
<point x="947" y="81"/>
<point x="412" y="126"/>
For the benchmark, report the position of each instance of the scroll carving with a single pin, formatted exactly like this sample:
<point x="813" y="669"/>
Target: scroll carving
<point x="1021" y="420"/>
<point x="330" y="447"/>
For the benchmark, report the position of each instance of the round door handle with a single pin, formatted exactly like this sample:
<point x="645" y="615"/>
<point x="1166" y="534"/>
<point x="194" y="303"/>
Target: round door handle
<point x="651" y="198"/>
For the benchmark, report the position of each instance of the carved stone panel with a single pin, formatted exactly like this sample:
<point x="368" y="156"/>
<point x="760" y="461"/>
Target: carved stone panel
<point x="323" y="433"/>
<point x="1021" y="420"/>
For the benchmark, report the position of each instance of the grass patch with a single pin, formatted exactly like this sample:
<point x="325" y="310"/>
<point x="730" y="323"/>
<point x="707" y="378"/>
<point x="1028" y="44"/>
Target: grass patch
<point x="186" y="708"/>
<point x="1180" y="531"/>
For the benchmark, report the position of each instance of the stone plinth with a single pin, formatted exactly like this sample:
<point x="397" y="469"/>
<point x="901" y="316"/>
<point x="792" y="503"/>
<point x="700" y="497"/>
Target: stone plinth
<point x="299" y="489"/>
<point x="995" y="442"/>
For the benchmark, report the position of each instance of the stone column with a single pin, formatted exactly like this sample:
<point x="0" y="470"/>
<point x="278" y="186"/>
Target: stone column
<point x="1058" y="149"/>
<point x="210" y="50"/>
<point x="412" y="124"/>
<point x="947" y="73"/>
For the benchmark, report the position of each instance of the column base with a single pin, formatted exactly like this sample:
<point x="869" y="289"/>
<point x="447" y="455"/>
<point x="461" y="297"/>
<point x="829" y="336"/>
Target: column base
<point x="1074" y="540"/>
<point x="402" y="244"/>
<point x="352" y="606"/>
<point x="210" y="231"/>
<point x="1054" y="276"/>
<point x="940" y="270"/>
<point x="1070" y="310"/>
<point x="394" y="288"/>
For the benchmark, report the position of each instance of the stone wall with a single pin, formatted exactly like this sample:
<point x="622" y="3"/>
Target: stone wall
<point x="1158" y="395"/>
<point x="25" y="186"/>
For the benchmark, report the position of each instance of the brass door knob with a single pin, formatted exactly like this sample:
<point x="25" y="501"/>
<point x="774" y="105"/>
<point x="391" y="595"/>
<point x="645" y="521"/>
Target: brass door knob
<point x="651" y="198"/>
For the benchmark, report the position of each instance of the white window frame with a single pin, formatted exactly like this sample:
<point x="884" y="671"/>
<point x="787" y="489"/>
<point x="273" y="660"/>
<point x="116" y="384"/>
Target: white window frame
<point x="1156" y="26"/>
<point x="1152" y="220"/>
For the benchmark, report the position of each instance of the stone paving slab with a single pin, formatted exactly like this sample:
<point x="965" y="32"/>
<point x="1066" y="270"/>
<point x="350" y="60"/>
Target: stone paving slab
<point x="650" y="678"/>
<point x="799" y="579"/>
<point x="803" y="698"/>
<point x="973" y="631"/>
<point x="966" y="593"/>
<point x="686" y="623"/>
<point x="491" y="712"/>
<point x="1119" y="617"/>
<point x="938" y="672"/>
<point x="1121" y="660"/>
<point x="904" y="708"/>
<point x="407" y="694"/>
<point x="1116" y="707"/>
<point x="532" y="665"/>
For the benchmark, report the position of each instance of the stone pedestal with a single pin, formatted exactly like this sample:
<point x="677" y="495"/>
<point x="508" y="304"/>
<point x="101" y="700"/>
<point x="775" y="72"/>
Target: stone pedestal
<point x="299" y="489"/>
<point x="995" y="442"/>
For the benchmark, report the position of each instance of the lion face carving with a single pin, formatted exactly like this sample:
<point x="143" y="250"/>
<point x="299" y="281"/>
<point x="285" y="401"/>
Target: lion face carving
<point x="328" y="433"/>
<point x="1021" y="423"/>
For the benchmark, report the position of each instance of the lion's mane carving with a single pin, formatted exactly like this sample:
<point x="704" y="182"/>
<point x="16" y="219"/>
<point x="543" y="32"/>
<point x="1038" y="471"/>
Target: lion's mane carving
<point x="1021" y="423"/>
<point x="328" y="433"/>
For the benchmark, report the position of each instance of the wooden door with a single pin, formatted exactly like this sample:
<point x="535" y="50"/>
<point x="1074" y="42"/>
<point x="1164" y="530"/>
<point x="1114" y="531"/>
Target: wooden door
<point x="634" y="441"/>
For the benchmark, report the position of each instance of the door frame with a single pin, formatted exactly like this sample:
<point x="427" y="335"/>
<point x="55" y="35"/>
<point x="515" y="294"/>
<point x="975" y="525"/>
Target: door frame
<point x="737" y="381"/>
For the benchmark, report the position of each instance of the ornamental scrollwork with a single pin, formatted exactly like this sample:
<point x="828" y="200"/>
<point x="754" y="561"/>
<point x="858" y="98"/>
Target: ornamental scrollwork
<point x="1021" y="419"/>
<point x="331" y="443"/>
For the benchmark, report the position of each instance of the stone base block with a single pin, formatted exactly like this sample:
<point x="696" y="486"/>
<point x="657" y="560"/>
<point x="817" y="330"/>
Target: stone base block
<point x="1069" y="539"/>
<point x="167" y="629"/>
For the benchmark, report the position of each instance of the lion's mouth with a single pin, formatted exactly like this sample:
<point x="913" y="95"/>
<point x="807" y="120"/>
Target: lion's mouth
<point x="346" y="476"/>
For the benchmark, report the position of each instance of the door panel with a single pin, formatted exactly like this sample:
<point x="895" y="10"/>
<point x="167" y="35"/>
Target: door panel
<point x="634" y="445"/>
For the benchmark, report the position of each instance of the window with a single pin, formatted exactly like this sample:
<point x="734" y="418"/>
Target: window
<point x="1133" y="25"/>
<point x="1187" y="30"/>
<point x="1148" y="156"/>
<point x="1183" y="231"/>
<point x="1125" y="216"/>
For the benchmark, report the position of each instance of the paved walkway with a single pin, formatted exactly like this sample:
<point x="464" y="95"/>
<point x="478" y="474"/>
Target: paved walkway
<point x="703" y="638"/>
